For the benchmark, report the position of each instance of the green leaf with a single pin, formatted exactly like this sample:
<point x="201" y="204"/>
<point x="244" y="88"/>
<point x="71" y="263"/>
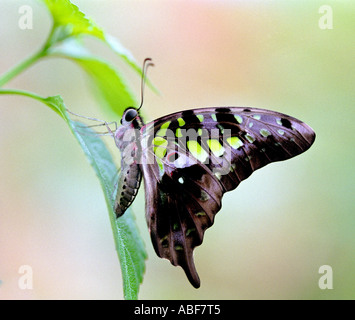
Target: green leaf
<point x="123" y="52"/>
<point x="129" y="244"/>
<point x="108" y="83"/>
<point x="69" y="21"/>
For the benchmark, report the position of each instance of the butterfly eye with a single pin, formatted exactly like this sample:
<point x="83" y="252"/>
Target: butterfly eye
<point x="130" y="115"/>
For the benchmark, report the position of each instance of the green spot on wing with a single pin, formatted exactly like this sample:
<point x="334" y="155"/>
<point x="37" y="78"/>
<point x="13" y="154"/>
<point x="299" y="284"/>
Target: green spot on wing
<point x="165" y="125"/>
<point x="181" y="122"/>
<point x="160" y="144"/>
<point x="160" y="165"/>
<point x="265" y="133"/>
<point x="163" y="128"/>
<point x="164" y="241"/>
<point x="159" y="141"/>
<point x="249" y="137"/>
<point x="189" y="231"/>
<point x="178" y="133"/>
<point x="216" y="147"/>
<point x="218" y="175"/>
<point x="204" y="196"/>
<point x="197" y="151"/>
<point x="238" y="118"/>
<point x="235" y="142"/>
<point x="221" y="128"/>
<point x="161" y="132"/>
<point x="160" y="152"/>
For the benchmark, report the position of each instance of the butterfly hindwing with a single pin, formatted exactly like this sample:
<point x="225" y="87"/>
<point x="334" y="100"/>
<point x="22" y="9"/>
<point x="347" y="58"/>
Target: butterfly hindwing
<point x="191" y="158"/>
<point x="180" y="205"/>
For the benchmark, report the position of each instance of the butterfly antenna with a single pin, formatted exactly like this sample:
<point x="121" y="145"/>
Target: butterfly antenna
<point x="146" y="63"/>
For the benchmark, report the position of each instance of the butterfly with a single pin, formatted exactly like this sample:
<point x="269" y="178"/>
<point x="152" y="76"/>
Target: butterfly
<point x="189" y="159"/>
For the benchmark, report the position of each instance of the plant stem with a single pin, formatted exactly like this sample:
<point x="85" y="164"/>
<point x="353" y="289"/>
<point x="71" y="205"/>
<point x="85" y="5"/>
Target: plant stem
<point x="21" y="92"/>
<point x="7" y="76"/>
<point x="49" y="101"/>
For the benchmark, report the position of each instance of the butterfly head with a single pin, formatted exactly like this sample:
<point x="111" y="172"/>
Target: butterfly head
<point x="131" y="118"/>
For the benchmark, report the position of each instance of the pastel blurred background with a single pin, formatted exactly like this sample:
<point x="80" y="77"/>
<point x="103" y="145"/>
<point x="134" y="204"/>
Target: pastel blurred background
<point x="273" y="233"/>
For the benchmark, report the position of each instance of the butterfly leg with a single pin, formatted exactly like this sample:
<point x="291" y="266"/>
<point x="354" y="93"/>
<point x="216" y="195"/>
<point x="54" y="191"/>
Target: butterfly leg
<point x="103" y="123"/>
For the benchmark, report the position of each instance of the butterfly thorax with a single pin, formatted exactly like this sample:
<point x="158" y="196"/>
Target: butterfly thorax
<point x="127" y="137"/>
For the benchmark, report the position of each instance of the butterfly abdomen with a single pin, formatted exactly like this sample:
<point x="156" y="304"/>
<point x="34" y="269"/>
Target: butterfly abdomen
<point x="128" y="185"/>
<point x="129" y="179"/>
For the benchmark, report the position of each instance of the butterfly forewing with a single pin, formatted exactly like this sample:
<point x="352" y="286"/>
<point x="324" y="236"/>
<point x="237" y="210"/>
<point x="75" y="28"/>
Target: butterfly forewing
<point x="191" y="158"/>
